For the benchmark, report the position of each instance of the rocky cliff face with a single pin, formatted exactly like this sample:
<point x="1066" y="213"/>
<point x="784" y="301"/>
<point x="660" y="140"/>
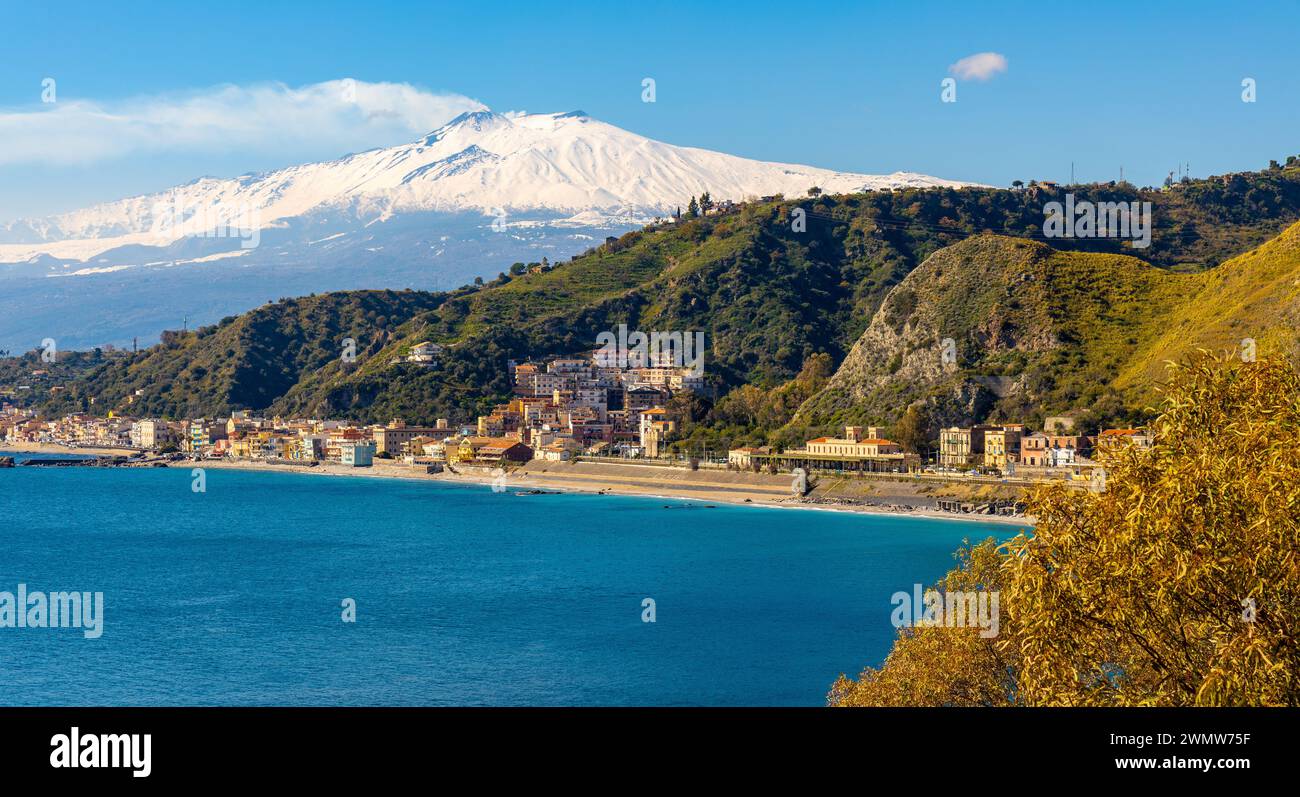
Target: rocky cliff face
<point x="997" y="326"/>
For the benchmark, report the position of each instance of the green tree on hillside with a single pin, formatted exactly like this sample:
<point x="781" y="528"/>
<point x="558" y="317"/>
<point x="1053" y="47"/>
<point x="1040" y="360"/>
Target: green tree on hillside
<point x="912" y="431"/>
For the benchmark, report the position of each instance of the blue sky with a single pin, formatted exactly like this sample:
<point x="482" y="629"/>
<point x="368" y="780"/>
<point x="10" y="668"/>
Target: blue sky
<point x="852" y="86"/>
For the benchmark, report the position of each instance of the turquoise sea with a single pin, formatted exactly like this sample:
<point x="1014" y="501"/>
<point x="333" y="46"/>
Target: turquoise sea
<point x="463" y="596"/>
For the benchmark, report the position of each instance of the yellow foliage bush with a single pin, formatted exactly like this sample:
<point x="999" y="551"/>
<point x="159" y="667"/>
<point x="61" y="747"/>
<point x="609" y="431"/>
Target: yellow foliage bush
<point x="1177" y="584"/>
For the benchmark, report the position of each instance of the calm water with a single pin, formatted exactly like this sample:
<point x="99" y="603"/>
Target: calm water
<point x="464" y="596"/>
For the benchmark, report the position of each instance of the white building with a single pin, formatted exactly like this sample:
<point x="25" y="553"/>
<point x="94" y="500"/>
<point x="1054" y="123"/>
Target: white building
<point x="357" y="454"/>
<point x="424" y="353"/>
<point x="1062" y="457"/>
<point x="569" y="366"/>
<point x="150" y="434"/>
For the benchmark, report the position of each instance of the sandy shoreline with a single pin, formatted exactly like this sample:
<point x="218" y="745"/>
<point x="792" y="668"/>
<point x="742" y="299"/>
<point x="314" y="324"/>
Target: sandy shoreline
<point x="738" y="494"/>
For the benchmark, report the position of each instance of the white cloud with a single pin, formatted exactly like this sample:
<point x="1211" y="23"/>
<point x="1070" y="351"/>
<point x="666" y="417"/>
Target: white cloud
<point x="980" y="66"/>
<point x="343" y="114"/>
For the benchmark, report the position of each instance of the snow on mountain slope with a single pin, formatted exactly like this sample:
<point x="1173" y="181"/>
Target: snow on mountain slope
<point x="565" y="164"/>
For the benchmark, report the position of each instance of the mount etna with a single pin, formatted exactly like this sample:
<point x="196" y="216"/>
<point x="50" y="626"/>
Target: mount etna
<point x="482" y="191"/>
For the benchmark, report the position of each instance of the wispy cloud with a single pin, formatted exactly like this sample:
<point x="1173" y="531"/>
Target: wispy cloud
<point x="980" y="66"/>
<point x="346" y="114"/>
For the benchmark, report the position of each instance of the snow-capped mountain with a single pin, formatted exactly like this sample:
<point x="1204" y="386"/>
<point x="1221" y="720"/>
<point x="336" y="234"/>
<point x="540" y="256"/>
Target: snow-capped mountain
<point x="467" y="200"/>
<point x="568" y="165"/>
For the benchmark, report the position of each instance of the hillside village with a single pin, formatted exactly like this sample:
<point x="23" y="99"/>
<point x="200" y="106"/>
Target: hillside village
<point x="591" y="405"/>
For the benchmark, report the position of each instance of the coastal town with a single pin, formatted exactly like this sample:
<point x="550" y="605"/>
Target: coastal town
<point x="591" y="408"/>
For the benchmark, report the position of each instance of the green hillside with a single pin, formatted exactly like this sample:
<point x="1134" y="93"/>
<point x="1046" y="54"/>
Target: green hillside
<point x="1040" y="332"/>
<point x="767" y="297"/>
<point x="1254" y="296"/>
<point x="780" y="307"/>
<point x="245" y="361"/>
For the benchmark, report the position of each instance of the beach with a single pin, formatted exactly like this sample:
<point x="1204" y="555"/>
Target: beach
<point x="881" y="496"/>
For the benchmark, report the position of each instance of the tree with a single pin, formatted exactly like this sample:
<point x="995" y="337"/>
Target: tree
<point x="1017" y="184"/>
<point x="1174" y="584"/>
<point x="971" y="670"/>
<point x="687" y="406"/>
<point x="706" y="202"/>
<point x="692" y="209"/>
<point x="814" y="191"/>
<point x="912" y="431"/>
